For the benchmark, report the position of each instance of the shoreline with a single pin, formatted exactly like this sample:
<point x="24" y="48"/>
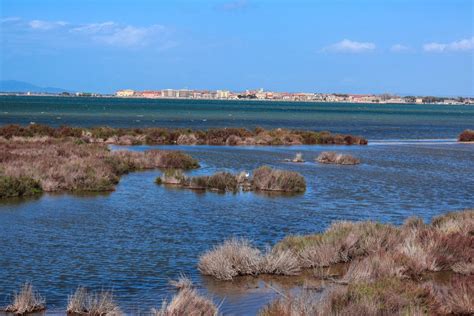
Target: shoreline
<point x="225" y="100"/>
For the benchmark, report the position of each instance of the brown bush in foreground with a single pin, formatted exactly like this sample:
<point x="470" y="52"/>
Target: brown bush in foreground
<point x="237" y="257"/>
<point x="372" y="250"/>
<point x="165" y="136"/>
<point x="83" y="302"/>
<point x="34" y="165"/>
<point x="186" y="302"/>
<point x="331" y="157"/>
<point x="466" y="136"/>
<point x="26" y="301"/>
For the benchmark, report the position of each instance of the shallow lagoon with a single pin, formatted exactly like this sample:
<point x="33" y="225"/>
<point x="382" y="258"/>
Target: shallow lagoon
<point x="137" y="238"/>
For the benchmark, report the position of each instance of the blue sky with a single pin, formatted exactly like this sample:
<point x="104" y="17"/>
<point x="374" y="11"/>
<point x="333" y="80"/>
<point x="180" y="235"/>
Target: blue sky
<point x="422" y="47"/>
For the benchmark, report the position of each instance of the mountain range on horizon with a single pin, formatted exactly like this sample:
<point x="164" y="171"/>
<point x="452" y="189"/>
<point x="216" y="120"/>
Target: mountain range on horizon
<point x="23" y="86"/>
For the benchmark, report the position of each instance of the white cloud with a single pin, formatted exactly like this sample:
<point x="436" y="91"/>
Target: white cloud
<point x="46" y="25"/>
<point x="456" y="46"/>
<point x="348" y="46"/>
<point x="105" y="33"/>
<point x="399" y="48"/>
<point x="112" y="33"/>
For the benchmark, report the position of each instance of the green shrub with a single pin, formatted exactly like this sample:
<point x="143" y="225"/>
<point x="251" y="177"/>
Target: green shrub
<point x="18" y="186"/>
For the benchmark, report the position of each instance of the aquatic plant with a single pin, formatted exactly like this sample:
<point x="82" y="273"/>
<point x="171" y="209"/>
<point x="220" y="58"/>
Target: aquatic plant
<point x="26" y="301"/>
<point x="268" y="179"/>
<point x="186" y="302"/>
<point x="83" y="302"/>
<point x="466" y="136"/>
<point x="330" y="157"/>
<point x="161" y="136"/>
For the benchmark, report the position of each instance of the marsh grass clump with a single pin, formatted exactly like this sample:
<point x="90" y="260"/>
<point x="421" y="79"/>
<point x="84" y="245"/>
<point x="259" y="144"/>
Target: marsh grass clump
<point x="186" y="302"/>
<point x="83" y="302"/>
<point x="26" y="301"/>
<point x="466" y="136"/>
<point x="268" y="179"/>
<point x="330" y="157"/>
<point x="234" y="257"/>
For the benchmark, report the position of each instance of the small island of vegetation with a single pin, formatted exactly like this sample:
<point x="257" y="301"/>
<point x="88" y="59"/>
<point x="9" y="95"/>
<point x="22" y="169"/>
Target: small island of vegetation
<point x="33" y="165"/>
<point x="166" y="136"/>
<point x="466" y="136"/>
<point x="263" y="179"/>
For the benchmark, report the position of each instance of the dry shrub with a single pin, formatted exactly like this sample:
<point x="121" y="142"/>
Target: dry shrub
<point x="386" y="296"/>
<point x="26" y="301"/>
<point x="455" y="297"/>
<point x="377" y="266"/>
<point x="466" y="136"/>
<point x="186" y="302"/>
<point x="455" y="222"/>
<point x="223" y="181"/>
<point x="303" y="304"/>
<point x="237" y="257"/>
<point x="182" y="282"/>
<point x="268" y="179"/>
<point x="280" y="263"/>
<point x="234" y="257"/>
<point x="330" y="157"/>
<point x="83" y="302"/>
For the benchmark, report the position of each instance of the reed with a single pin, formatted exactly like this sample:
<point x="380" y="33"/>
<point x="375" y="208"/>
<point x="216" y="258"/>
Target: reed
<point x="27" y="300"/>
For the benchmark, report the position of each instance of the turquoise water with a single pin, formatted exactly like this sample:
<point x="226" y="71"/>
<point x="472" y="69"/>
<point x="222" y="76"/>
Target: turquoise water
<point x="139" y="237"/>
<point x="373" y="121"/>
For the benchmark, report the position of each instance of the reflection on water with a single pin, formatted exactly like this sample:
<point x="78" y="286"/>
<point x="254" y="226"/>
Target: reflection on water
<point x="139" y="237"/>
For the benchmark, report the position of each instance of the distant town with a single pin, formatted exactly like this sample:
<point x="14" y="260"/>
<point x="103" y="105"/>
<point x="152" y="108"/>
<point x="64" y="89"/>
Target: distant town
<point x="261" y="94"/>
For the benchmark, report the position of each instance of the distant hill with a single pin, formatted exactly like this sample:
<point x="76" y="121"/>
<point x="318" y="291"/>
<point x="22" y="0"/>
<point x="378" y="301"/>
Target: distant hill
<point x="21" y="86"/>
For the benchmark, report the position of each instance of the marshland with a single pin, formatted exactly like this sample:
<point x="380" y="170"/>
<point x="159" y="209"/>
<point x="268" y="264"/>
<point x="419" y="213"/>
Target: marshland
<point x="134" y="238"/>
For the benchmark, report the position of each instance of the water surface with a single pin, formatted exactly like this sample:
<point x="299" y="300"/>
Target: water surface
<point x="137" y="238"/>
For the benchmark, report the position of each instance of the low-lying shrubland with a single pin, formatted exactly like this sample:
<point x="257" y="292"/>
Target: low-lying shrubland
<point x="466" y="136"/>
<point x="387" y="266"/>
<point x="30" y="166"/>
<point x="331" y="157"/>
<point x="165" y="136"/>
<point x="27" y="300"/>
<point x="263" y="179"/>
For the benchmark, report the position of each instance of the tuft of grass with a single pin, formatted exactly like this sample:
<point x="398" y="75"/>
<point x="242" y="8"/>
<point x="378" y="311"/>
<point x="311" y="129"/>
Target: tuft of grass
<point x="186" y="302"/>
<point x="26" y="301"/>
<point x="330" y="157"/>
<point x="83" y="302"/>
<point x="234" y="257"/>
<point x="268" y="179"/>
<point x="466" y="136"/>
